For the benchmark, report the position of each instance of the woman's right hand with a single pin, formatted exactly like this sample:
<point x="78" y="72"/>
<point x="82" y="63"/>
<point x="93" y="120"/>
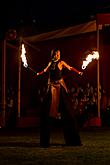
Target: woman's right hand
<point x="35" y="75"/>
<point x="39" y="73"/>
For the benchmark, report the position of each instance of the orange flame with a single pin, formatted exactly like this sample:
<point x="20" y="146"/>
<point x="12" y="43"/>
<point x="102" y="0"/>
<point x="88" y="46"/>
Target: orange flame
<point x="23" y="57"/>
<point x="89" y="58"/>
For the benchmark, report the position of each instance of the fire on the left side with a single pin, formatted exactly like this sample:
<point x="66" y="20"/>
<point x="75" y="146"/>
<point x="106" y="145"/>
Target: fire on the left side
<point x="23" y="56"/>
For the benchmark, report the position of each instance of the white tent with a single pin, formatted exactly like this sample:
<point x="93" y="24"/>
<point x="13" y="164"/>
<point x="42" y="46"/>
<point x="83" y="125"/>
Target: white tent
<point x="66" y="32"/>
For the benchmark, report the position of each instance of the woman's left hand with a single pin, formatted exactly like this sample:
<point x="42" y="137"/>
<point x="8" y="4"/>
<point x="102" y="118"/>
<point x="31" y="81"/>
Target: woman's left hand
<point x="81" y="73"/>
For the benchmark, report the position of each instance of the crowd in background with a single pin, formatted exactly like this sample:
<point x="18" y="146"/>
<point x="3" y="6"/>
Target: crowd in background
<point x="84" y="100"/>
<point x="10" y="107"/>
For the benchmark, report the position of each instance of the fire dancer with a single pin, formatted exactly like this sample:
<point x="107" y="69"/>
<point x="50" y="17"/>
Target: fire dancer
<point x="57" y="104"/>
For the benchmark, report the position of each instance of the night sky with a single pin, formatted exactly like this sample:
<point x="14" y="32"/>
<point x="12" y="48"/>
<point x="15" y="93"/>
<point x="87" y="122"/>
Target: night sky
<point x="46" y="15"/>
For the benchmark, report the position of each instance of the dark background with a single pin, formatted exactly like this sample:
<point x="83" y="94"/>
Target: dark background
<point x="38" y="16"/>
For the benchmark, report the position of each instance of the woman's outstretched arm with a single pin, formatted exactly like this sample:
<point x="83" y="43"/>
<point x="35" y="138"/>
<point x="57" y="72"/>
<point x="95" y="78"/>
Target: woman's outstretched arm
<point x="71" y="68"/>
<point x="45" y="70"/>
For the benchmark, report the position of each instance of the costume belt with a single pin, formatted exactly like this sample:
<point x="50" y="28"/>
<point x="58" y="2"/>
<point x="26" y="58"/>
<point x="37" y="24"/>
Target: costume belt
<point x="59" y="82"/>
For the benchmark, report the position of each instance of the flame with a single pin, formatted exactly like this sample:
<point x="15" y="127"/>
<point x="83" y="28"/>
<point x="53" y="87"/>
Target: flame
<point x="23" y="57"/>
<point x="89" y="58"/>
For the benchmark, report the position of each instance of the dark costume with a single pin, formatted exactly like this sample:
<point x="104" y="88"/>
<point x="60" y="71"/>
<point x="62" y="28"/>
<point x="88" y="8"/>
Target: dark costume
<point x="57" y="102"/>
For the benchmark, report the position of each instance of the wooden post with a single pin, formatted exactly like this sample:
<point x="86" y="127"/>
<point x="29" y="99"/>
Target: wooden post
<point x="98" y="75"/>
<point x="19" y="80"/>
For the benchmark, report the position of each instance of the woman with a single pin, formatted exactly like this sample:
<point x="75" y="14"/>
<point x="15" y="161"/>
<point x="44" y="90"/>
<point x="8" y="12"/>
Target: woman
<point x="57" y="103"/>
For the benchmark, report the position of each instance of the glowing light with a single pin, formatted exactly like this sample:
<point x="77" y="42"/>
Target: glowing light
<point x="23" y="56"/>
<point x="89" y="58"/>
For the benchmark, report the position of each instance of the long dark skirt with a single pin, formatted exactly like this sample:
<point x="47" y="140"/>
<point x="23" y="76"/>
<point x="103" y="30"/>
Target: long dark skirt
<point x="68" y="121"/>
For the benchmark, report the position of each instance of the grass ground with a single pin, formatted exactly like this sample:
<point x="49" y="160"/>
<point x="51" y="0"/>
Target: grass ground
<point x="22" y="148"/>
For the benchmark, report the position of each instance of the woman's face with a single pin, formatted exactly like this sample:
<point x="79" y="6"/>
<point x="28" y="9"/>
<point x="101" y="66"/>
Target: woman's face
<point x="57" y="55"/>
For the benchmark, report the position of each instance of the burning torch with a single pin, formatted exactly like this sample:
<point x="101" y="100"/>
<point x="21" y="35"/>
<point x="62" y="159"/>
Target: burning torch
<point x="89" y="58"/>
<point x="24" y="60"/>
